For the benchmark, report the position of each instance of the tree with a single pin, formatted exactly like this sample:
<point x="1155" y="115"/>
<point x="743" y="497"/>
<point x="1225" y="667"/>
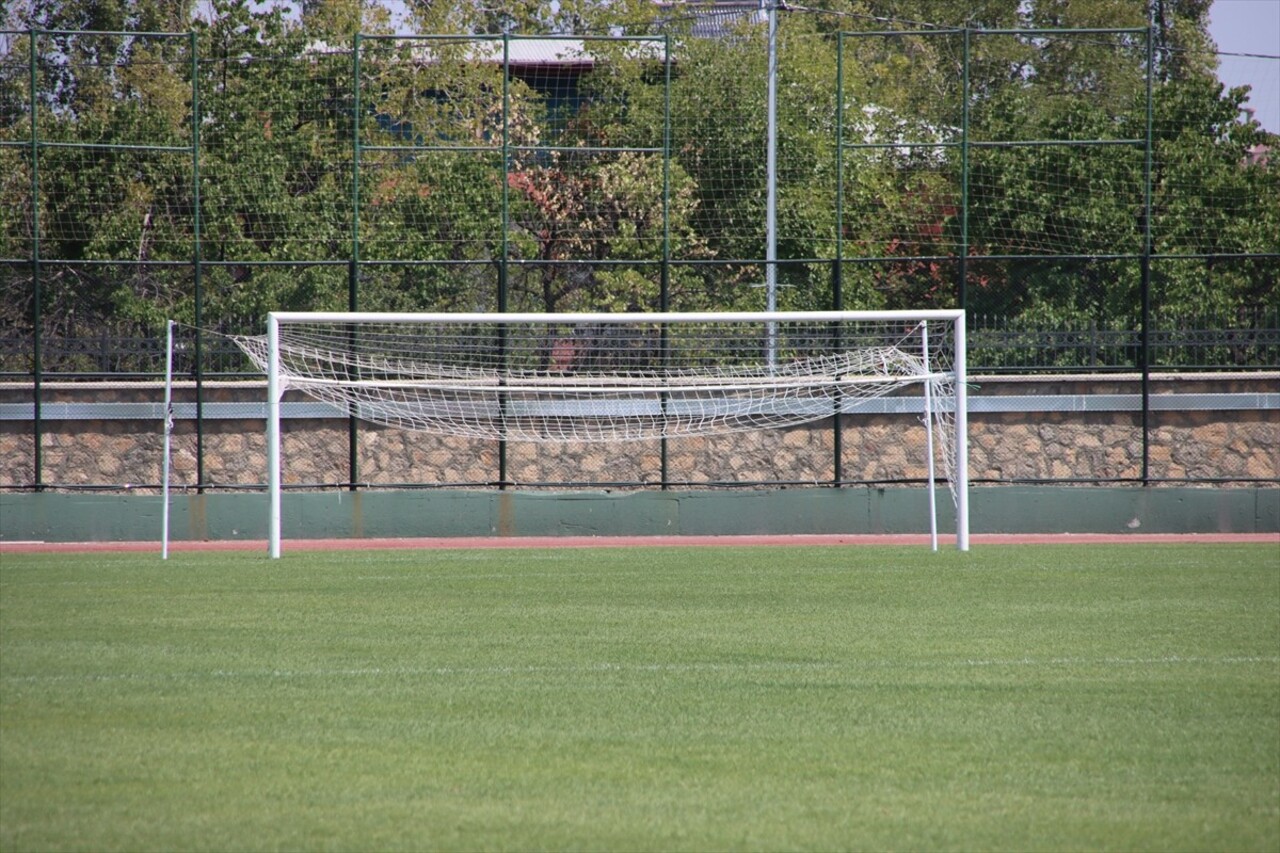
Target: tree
<point x="116" y="186"/>
<point x="588" y="211"/>
<point x="580" y="201"/>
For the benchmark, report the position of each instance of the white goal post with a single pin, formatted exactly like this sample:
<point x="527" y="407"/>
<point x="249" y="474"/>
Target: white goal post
<point x="618" y="377"/>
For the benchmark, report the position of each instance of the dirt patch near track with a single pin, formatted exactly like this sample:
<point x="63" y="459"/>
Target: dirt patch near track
<point x="975" y="540"/>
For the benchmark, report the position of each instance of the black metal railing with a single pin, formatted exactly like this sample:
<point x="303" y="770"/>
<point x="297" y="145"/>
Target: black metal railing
<point x="1247" y="340"/>
<point x="1005" y="345"/>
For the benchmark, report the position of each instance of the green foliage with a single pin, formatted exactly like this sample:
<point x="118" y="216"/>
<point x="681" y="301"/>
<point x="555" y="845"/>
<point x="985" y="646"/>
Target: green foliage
<point x="563" y="176"/>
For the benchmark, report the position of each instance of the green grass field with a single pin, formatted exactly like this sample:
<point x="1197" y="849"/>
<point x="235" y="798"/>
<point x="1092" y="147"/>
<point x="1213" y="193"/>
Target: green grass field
<point x="1019" y="698"/>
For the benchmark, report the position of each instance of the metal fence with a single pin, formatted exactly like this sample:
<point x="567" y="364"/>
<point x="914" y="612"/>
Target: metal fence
<point x="1247" y="340"/>
<point x="1095" y="209"/>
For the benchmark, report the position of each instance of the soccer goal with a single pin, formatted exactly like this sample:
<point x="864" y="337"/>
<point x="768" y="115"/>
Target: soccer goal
<point x="620" y="377"/>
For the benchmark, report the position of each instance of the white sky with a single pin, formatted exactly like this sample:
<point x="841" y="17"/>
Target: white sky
<point x="1250" y="26"/>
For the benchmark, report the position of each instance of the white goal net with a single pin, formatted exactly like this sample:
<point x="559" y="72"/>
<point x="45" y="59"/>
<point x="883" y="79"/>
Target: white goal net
<point x="617" y="377"/>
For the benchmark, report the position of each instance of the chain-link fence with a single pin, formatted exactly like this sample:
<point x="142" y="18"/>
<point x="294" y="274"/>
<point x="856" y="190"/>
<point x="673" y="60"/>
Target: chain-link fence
<point x="1097" y="208"/>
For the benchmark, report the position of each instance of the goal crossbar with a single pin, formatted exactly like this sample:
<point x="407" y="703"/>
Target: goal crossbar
<point x="629" y="385"/>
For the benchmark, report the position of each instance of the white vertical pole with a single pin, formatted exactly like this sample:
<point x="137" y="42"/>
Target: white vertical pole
<point x="168" y="439"/>
<point x="274" y="392"/>
<point x="928" y="437"/>
<point x="962" y="437"/>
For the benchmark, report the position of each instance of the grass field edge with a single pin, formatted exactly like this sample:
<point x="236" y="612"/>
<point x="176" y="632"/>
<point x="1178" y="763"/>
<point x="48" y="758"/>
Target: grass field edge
<point x="793" y="540"/>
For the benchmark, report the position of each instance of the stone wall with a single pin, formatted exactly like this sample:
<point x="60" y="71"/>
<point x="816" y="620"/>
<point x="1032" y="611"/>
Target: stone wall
<point x="1096" y="443"/>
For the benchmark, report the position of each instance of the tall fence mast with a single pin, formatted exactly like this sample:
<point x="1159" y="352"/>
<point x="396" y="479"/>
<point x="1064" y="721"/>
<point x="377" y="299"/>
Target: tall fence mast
<point x="353" y="266"/>
<point x="196" y="260"/>
<point x="771" y="181"/>
<point x="37" y="321"/>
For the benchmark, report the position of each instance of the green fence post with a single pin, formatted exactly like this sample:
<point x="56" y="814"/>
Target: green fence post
<point x="353" y="267"/>
<point x="664" y="292"/>
<point x="837" y="296"/>
<point x="837" y="272"/>
<point x="1145" y="332"/>
<point x="504" y="262"/>
<point x="197" y="271"/>
<point x="37" y="320"/>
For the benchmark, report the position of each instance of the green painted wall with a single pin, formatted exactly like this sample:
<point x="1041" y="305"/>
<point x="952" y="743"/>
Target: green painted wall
<point x="60" y="517"/>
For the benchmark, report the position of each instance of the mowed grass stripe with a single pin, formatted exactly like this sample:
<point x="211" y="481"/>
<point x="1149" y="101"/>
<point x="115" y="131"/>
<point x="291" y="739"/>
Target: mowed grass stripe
<point x="690" y="668"/>
<point x="1015" y="697"/>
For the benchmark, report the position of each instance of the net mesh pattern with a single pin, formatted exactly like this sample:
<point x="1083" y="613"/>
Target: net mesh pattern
<point x="609" y="382"/>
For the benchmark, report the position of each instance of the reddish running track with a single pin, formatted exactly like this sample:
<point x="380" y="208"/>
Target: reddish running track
<point x="640" y="541"/>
